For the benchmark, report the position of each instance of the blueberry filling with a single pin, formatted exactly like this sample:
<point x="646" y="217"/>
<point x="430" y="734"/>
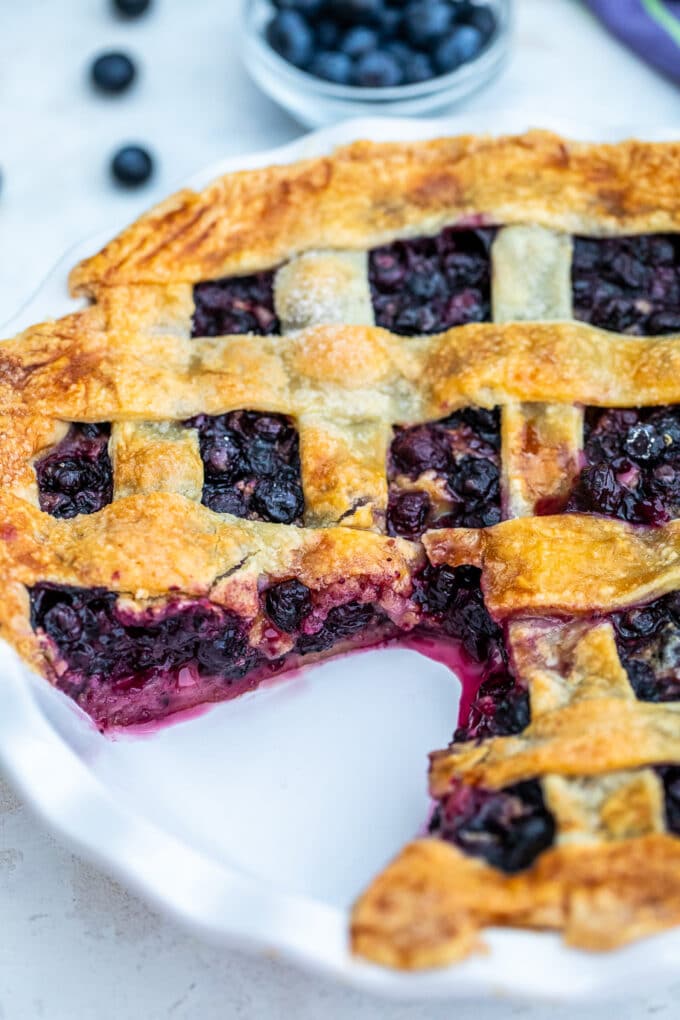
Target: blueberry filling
<point x="508" y="828"/>
<point x="252" y="465"/>
<point x="462" y="452"/>
<point x="408" y="513"/>
<point x="429" y="284"/>
<point x="236" y="304"/>
<point x="128" y="666"/>
<point x="632" y="465"/>
<point x="98" y="640"/>
<point x="648" y="641"/>
<point x="76" y="477"/>
<point x="670" y="777"/>
<point x="628" y="284"/>
<point x="290" y="605"/>
<point x="453" y="604"/>
<point x="341" y="623"/>
<point x="287" y="603"/>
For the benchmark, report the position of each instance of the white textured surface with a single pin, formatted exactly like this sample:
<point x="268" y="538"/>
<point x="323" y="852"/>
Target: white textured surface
<point x="73" y="943"/>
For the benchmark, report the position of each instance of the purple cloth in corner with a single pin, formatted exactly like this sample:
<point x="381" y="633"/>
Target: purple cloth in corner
<point x="649" y="27"/>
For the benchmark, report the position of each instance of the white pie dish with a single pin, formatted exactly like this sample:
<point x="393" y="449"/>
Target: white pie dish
<point x="258" y="822"/>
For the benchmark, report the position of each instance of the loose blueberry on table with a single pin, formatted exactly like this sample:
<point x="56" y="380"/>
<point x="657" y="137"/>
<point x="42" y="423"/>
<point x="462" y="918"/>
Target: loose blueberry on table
<point x="113" y="72"/>
<point x="131" y="166"/>
<point x="379" y="43"/>
<point x="131" y="8"/>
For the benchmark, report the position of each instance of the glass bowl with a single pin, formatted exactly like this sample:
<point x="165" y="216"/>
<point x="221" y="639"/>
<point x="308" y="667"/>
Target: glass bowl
<point x="316" y="102"/>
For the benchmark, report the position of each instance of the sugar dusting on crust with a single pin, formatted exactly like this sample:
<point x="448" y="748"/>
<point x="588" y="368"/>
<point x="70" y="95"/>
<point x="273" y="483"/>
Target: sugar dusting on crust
<point x="324" y="287"/>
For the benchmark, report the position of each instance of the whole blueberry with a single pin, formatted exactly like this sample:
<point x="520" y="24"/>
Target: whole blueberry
<point x="356" y="12"/>
<point x="328" y="34"/>
<point x="399" y="49"/>
<point x="643" y="442"/>
<point x="131" y="8"/>
<point x="407" y="513"/>
<point x="378" y="69"/>
<point x="308" y="8"/>
<point x="359" y="40"/>
<point x="446" y="56"/>
<point x="112" y="72"/>
<point x="289" y="34"/>
<point x="132" y="165"/>
<point x="279" y="499"/>
<point x="425" y="21"/>
<point x="333" y="66"/>
<point x="470" y="41"/>
<point x="463" y="44"/>
<point x="417" y="67"/>
<point x="483" y="19"/>
<point x="287" y="603"/>
<point x="390" y="23"/>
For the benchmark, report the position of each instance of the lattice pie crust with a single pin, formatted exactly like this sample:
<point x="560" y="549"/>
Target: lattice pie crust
<point x="327" y="378"/>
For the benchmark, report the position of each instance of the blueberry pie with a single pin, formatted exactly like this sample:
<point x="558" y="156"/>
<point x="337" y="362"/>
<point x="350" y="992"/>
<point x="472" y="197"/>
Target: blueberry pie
<point x="428" y="387"/>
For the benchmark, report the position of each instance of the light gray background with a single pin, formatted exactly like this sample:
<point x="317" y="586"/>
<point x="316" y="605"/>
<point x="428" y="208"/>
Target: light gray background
<point x="73" y="943"/>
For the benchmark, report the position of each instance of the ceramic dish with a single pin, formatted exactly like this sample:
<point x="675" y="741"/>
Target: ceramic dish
<point x="315" y="102"/>
<point x="226" y="820"/>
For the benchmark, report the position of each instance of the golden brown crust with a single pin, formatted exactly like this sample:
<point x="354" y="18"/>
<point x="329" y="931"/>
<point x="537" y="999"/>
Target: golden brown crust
<point x="347" y="385"/>
<point x="585" y="738"/>
<point x="429" y="906"/>
<point x="156" y="457"/>
<point x="79" y="367"/>
<point x="368" y="193"/>
<point x="567" y="564"/>
<point x="540" y="455"/>
<point x="198" y="554"/>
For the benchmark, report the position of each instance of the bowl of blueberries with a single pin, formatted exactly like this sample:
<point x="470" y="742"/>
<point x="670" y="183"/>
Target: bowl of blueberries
<point x="325" y="60"/>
